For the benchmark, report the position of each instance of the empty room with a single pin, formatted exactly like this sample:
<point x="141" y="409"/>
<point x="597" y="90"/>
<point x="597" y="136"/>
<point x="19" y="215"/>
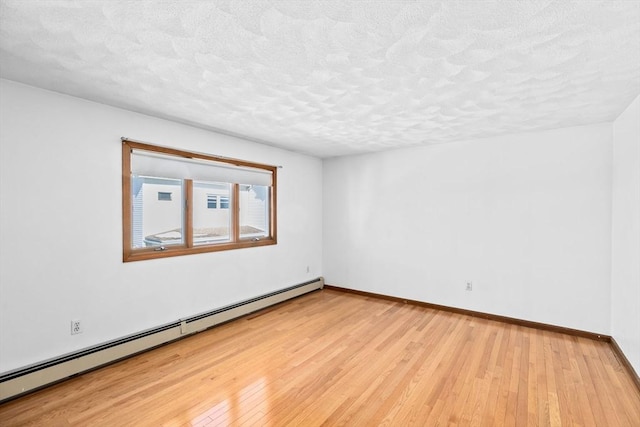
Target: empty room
<point x="290" y="212"/>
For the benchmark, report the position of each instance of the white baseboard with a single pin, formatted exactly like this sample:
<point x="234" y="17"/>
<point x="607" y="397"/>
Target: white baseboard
<point x="33" y="377"/>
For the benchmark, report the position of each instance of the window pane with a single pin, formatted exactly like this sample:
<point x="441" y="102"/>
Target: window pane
<point x="157" y="214"/>
<point x="224" y="202"/>
<point x="211" y="219"/>
<point x="254" y="211"/>
<point x="212" y="201"/>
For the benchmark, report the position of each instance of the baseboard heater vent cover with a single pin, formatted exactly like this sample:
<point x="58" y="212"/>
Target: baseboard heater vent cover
<point x="30" y="378"/>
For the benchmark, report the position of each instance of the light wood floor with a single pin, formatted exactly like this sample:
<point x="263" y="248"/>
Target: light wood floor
<point x="332" y="358"/>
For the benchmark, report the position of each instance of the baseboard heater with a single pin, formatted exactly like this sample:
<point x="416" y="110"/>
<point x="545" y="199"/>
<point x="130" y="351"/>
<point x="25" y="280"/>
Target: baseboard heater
<point x="30" y="378"/>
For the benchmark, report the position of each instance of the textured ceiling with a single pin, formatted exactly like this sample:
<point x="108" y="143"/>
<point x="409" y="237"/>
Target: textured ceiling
<point x="331" y="78"/>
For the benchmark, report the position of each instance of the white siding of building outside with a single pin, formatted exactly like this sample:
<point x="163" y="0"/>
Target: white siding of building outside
<point x="253" y="209"/>
<point x="160" y="216"/>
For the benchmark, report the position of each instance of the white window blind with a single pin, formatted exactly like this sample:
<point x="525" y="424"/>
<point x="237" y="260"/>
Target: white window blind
<point x="151" y="164"/>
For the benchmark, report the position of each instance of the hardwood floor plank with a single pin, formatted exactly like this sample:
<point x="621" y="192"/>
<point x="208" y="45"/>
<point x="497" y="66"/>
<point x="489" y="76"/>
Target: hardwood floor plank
<point x="333" y="358"/>
<point x="490" y="414"/>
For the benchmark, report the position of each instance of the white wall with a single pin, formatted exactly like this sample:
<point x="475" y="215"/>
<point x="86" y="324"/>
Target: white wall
<point x="625" y="276"/>
<point x="60" y="221"/>
<point x="526" y="217"/>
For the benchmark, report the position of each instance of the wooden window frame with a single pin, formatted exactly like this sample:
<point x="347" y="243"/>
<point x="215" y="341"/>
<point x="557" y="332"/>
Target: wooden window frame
<point x="187" y="248"/>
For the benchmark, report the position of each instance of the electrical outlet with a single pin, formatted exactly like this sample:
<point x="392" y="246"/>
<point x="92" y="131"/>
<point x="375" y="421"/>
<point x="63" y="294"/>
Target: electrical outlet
<point x="76" y="327"/>
<point x="308" y="270"/>
<point x="469" y="286"/>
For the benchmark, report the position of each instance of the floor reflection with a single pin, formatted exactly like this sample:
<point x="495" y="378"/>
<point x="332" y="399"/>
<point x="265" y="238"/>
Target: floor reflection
<point x="247" y="407"/>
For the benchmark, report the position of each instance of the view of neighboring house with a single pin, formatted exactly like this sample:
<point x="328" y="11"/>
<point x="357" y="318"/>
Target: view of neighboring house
<point x="158" y="211"/>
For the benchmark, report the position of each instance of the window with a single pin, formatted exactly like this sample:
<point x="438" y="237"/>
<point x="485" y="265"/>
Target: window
<point x="215" y="201"/>
<point x="212" y="201"/>
<point x="162" y="195"/>
<point x="177" y="202"/>
<point x="254" y="212"/>
<point x="224" y="203"/>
